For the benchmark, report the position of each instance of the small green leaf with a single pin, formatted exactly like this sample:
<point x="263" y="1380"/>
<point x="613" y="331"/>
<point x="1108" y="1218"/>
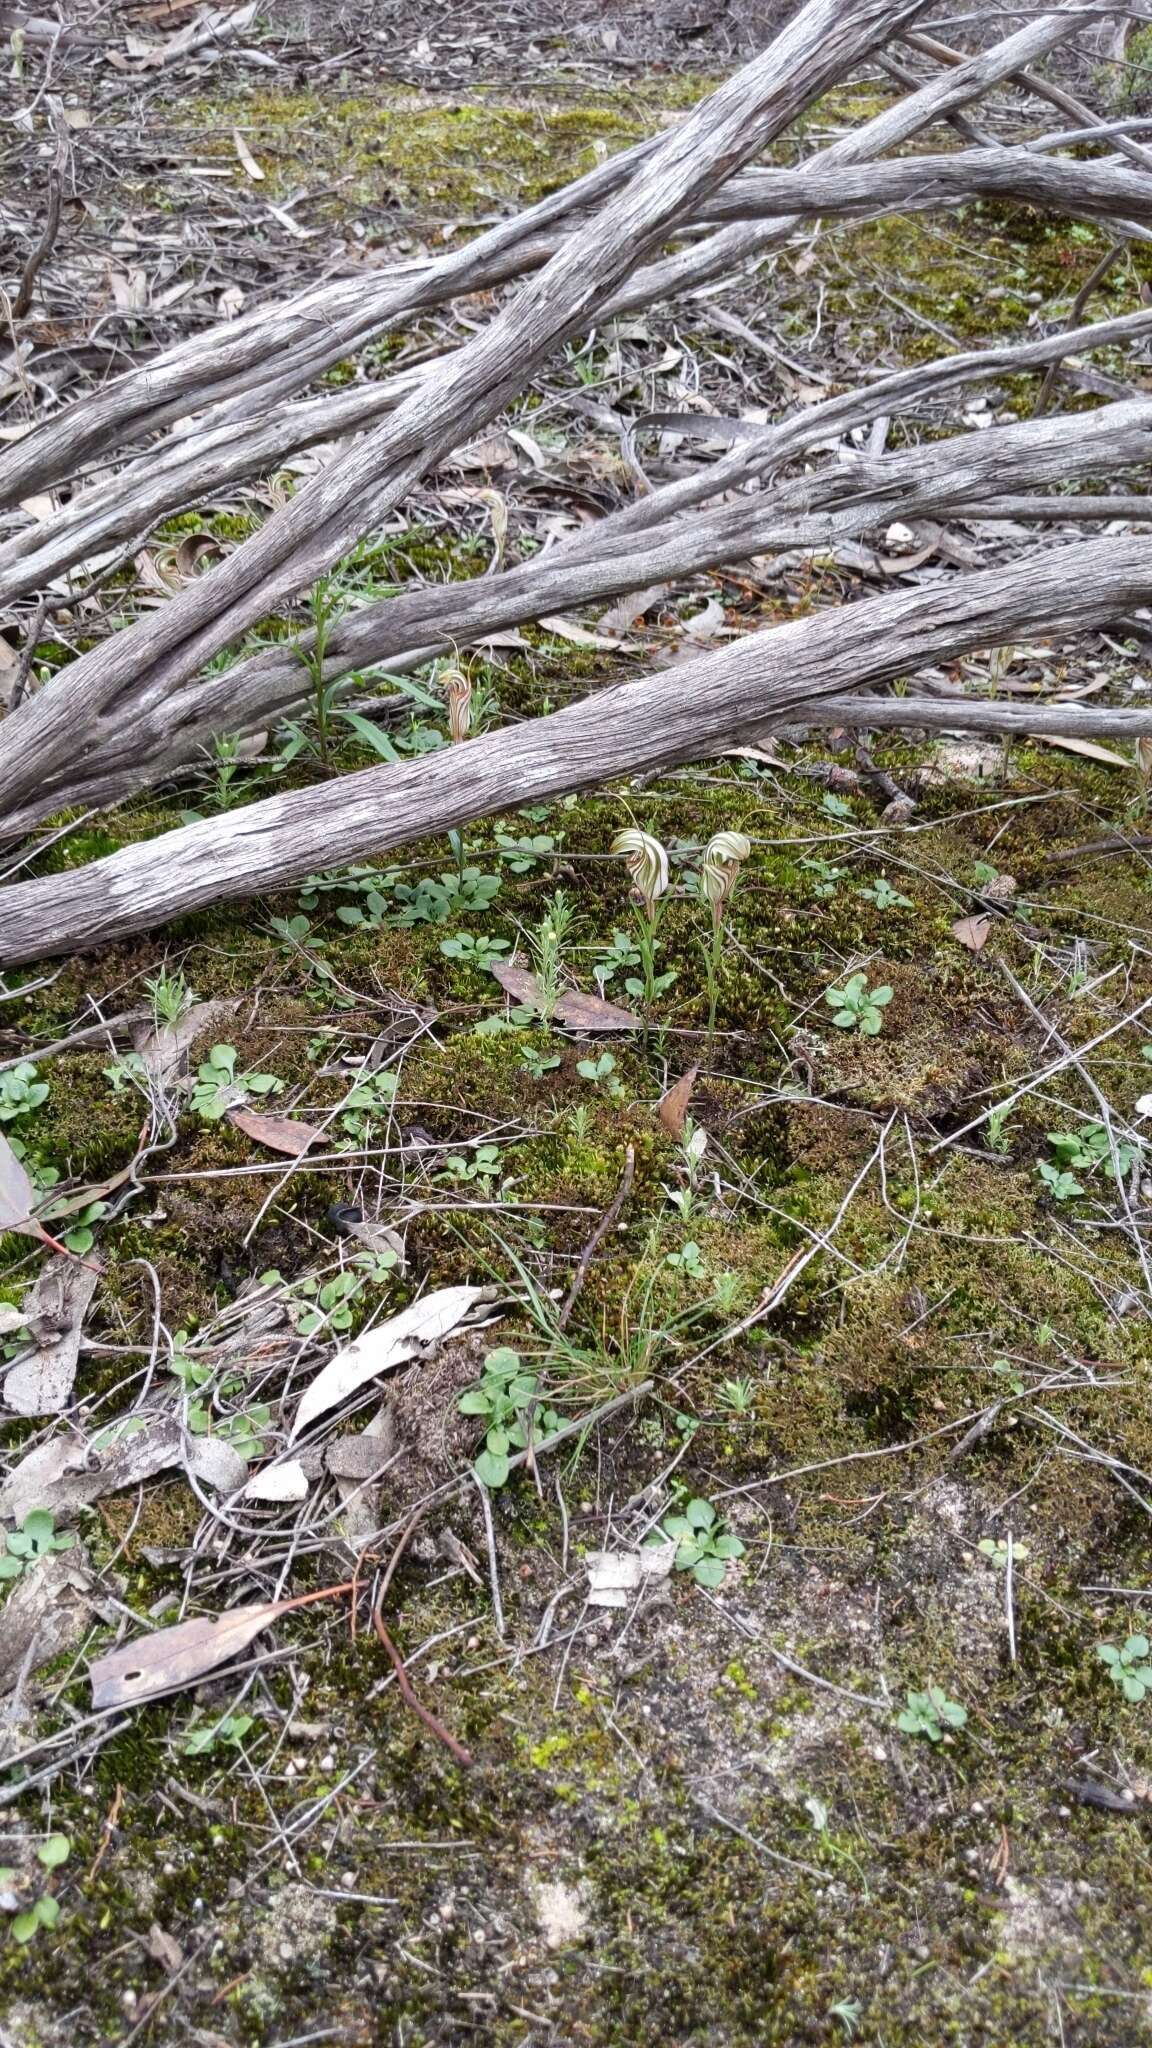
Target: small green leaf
<point x="475" y="1402"/>
<point x="709" y="1572"/>
<point x="491" y="1470"/>
<point x="55" y="1851"/>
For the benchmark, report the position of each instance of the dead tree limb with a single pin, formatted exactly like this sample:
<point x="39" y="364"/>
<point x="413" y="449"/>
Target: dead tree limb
<point x="316" y="528"/>
<point x="656" y="722"/>
<point x="965" y="476"/>
<point x="182" y="471"/>
<point x="270" y="354"/>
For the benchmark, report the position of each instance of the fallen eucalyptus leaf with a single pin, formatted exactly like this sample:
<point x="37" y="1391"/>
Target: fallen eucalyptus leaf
<point x="176" y="1657"/>
<point x="279" y="1133"/>
<point x="578" y="1011"/>
<point x="672" y="1108"/>
<point x="288" y="1481"/>
<point x="972" y="931"/>
<point x="246" y="157"/>
<point x="567" y="629"/>
<point x="425" y="1322"/>
<point x="1088" y="749"/>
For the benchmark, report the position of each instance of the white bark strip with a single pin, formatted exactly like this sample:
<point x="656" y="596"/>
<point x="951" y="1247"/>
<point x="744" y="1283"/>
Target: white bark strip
<point x="682" y="714"/>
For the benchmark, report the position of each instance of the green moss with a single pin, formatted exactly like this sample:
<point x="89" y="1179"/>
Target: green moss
<point x="418" y="154"/>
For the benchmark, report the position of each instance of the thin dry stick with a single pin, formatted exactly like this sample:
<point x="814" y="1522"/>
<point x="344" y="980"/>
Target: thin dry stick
<point x="607" y="1222"/>
<point x="44" y="246"/>
<point x="421" y="1712"/>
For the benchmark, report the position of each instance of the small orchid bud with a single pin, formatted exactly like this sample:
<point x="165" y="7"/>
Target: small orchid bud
<point x="458" y="690"/>
<point x="647" y="864"/>
<point x="723" y="856"/>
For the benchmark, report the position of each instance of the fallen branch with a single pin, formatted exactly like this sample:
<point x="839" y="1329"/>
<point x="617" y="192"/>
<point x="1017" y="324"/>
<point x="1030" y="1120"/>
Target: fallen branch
<point x="682" y="714"/>
<point x="276" y="351"/>
<point x="190" y="468"/>
<point x="963" y="477"/>
<point x="317" y="527"/>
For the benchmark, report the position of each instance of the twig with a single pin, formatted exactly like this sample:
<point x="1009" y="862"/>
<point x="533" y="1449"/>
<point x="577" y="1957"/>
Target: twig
<point x="1008" y="1600"/>
<point x="761" y="1848"/>
<point x="44" y="246"/>
<point x="28" y="652"/>
<point x="421" y="1712"/>
<point x="1095" y="277"/>
<point x="607" y="1222"/>
<point x="493" y="1568"/>
<point x="1069" y="1059"/>
<point x="861" y="1699"/>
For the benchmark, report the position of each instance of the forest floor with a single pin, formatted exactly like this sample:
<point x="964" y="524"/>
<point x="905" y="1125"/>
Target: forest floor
<point x="870" y="1312"/>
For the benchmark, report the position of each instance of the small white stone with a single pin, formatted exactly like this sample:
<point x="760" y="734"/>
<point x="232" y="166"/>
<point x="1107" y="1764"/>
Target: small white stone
<point x="328" y="1761"/>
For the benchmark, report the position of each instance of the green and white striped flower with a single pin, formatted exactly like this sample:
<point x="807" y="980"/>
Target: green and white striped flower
<point x="647" y="864"/>
<point x="723" y="856"/>
<point x="458" y="690"/>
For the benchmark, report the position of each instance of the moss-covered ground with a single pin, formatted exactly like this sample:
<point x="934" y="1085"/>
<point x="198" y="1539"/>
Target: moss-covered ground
<point x="695" y="1820"/>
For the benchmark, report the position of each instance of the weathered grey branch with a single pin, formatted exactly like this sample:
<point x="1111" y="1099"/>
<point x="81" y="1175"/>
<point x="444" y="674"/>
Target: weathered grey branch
<point x="317" y="527"/>
<point x="192" y="467"/>
<point x="962" y="477"/>
<point x="682" y="714"/>
<point x="982" y="714"/>
<point x="274" y="352"/>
